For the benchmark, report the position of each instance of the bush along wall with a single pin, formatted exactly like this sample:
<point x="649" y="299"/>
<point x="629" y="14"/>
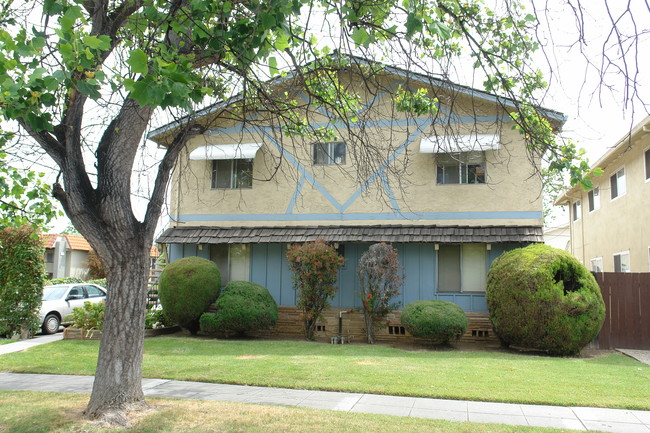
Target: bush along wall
<point x="186" y="289"/>
<point x="242" y="307"/>
<point x="544" y="298"/>
<point x="438" y="321"/>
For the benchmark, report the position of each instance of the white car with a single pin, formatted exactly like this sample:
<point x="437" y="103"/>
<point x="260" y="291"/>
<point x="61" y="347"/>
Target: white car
<point x="60" y="300"/>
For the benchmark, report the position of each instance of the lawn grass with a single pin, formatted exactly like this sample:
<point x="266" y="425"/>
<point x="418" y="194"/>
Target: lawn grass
<point x="61" y="413"/>
<point x="612" y="380"/>
<point x="7" y="341"/>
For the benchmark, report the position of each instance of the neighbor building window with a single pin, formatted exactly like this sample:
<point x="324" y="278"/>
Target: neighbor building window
<point x="622" y="262"/>
<point x="597" y="264"/>
<point x="49" y="257"/>
<point x="463" y="167"/>
<point x="329" y="153"/>
<point x="617" y="183"/>
<point x="576" y="208"/>
<point x="462" y="268"/>
<point x="594" y="199"/>
<point x="647" y="164"/>
<point x="232" y="173"/>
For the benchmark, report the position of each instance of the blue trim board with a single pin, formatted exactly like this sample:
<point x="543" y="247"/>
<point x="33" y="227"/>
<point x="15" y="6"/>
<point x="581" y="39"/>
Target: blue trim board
<point x="296" y="194"/>
<point x="401" y="216"/>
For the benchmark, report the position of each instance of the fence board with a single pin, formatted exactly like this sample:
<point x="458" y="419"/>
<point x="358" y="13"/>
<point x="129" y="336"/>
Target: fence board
<point x="627" y="303"/>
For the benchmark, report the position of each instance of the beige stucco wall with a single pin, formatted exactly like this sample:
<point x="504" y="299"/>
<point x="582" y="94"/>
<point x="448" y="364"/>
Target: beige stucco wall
<point x="512" y="187"/>
<point x="622" y="224"/>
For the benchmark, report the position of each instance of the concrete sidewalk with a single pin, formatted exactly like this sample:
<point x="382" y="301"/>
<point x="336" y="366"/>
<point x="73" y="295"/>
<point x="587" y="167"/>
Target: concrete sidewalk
<point x="26" y="344"/>
<point x="577" y="418"/>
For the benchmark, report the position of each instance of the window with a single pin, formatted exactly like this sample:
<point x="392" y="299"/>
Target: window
<point x="617" y="183"/>
<point x="594" y="199"/>
<point x="329" y="153"/>
<point x="94" y="292"/>
<point x="232" y="173"/>
<point x="464" y="167"/>
<point x="622" y="262"/>
<point x="597" y="264"/>
<point x="49" y="257"/>
<point x="576" y="209"/>
<point x="233" y="261"/>
<point x="647" y="164"/>
<point x="462" y="268"/>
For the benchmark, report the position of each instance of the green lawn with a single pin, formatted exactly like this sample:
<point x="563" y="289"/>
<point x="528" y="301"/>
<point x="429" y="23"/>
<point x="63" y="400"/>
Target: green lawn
<point x="61" y="413"/>
<point x="7" y="341"/>
<point x="612" y="380"/>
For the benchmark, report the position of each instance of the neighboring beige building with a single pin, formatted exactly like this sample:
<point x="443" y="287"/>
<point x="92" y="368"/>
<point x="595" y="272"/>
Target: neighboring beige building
<point x="452" y="191"/>
<point x="66" y="256"/>
<point x="558" y="237"/>
<point x="610" y="224"/>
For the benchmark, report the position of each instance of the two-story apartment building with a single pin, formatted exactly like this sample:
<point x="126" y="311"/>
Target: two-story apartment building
<point x="451" y="190"/>
<point x="609" y="224"/>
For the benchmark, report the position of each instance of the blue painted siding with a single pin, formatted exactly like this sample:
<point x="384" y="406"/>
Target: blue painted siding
<point x="269" y="268"/>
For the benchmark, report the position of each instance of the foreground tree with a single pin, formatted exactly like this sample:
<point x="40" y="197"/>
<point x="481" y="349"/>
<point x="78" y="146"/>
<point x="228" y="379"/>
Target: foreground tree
<point x="64" y="59"/>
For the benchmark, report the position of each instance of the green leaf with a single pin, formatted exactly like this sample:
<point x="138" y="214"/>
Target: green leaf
<point x="273" y="66"/>
<point x="138" y="62"/>
<point x="103" y="42"/>
<point x="360" y="36"/>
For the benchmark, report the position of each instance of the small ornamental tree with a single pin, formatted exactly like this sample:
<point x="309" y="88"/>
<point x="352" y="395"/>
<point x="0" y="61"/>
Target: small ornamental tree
<point x="315" y="267"/>
<point x="95" y="268"/>
<point x="22" y="277"/>
<point x="379" y="282"/>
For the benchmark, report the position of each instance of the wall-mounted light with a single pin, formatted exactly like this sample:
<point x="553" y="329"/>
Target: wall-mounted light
<point x="436" y="247"/>
<point x="488" y="247"/>
<point x="200" y="247"/>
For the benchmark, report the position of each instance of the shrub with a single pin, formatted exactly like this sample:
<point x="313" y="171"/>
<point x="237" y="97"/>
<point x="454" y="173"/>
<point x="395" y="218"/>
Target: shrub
<point x="242" y="307"/>
<point x="186" y="289"/>
<point x="543" y="298"/>
<point x="155" y="318"/>
<point x="66" y="280"/>
<point x="315" y="267"/>
<point x="379" y="283"/>
<point x="99" y="282"/>
<point x="434" y="320"/>
<point x="89" y="317"/>
<point x="22" y="277"/>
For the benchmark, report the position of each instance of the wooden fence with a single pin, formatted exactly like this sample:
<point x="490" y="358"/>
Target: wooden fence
<point x="627" y="304"/>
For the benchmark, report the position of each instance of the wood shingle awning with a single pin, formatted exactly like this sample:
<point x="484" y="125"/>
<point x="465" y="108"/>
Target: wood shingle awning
<point x="377" y="233"/>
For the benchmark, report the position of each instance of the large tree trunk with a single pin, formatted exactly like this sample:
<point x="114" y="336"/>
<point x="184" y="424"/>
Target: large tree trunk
<point x="118" y="380"/>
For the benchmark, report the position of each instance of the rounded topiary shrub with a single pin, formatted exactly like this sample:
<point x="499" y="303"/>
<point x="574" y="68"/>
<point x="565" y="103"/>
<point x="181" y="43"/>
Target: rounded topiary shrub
<point x="434" y="320"/>
<point x="242" y="307"/>
<point x="544" y="298"/>
<point x="186" y="289"/>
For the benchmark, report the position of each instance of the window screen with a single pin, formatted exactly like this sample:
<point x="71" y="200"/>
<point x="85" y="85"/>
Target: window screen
<point x="449" y="268"/>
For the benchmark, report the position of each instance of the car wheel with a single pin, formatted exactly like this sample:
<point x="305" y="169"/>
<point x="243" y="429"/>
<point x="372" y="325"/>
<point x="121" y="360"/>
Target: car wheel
<point x="51" y="324"/>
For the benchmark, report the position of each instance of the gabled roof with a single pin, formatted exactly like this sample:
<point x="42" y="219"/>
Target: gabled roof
<point x="74" y="242"/>
<point x="555" y="116"/>
<point x="621" y="146"/>
<point x="371" y="233"/>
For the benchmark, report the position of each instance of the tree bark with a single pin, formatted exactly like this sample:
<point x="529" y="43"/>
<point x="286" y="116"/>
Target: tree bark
<point x="117" y="389"/>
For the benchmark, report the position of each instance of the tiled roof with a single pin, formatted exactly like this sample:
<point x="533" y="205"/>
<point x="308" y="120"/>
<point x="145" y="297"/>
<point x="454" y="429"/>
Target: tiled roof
<point x="49" y="240"/>
<point x="377" y="233"/>
<point x="77" y="243"/>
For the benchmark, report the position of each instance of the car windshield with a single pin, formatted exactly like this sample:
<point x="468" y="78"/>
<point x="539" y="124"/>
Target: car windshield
<point x="52" y="293"/>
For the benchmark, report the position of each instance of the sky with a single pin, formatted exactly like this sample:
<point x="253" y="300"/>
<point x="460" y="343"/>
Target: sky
<point x="598" y="110"/>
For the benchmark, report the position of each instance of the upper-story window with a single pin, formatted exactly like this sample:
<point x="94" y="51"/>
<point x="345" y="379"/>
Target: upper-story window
<point x="329" y="153"/>
<point x="576" y="209"/>
<point x="647" y="164"/>
<point x="462" y="167"/>
<point x="594" y="199"/>
<point x="617" y="183"/>
<point x="232" y="173"/>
